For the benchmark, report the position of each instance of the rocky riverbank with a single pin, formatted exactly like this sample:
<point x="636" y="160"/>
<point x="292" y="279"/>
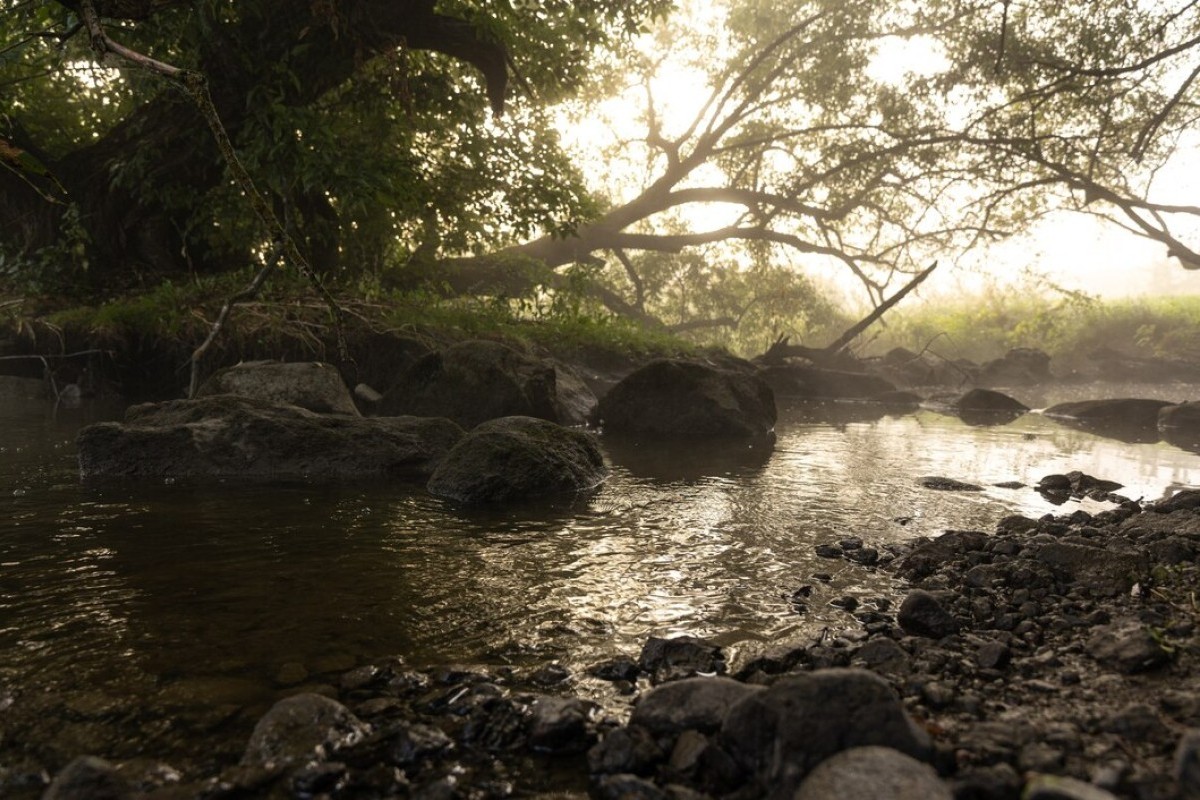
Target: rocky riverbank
<point x="1049" y="658"/>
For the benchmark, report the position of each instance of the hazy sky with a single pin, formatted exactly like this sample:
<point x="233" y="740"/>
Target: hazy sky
<point x="1076" y="251"/>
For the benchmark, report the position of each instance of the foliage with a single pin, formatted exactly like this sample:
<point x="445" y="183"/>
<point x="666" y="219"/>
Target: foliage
<point x="183" y="312"/>
<point x="805" y="146"/>
<point x="397" y="157"/>
<point x="1068" y="327"/>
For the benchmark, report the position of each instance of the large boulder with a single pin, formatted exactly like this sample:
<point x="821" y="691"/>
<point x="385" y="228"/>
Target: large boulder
<point x="516" y="458"/>
<point x="574" y="400"/>
<point x="230" y="436"/>
<point x="474" y="381"/>
<point x="779" y="735"/>
<point x="1127" y="419"/>
<point x="307" y="384"/>
<point x="906" y="368"/>
<point x="675" y="399"/>
<point x="818" y="383"/>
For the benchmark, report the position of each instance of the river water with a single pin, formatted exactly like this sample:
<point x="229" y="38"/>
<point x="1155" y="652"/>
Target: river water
<point x="158" y="619"/>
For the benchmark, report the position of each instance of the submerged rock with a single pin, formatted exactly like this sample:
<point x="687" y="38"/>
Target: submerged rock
<point x="516" y="458"/>
<point x="673" y="399"/>
<point x="229" y="436"/>
<point x="308" y="384"/>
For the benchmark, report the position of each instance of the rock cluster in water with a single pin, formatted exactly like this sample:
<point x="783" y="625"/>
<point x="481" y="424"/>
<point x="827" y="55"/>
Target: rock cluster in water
<point x="1051" y="658"/>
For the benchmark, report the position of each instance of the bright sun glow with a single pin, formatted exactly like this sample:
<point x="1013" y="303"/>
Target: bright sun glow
<point x="1079" y="252"/>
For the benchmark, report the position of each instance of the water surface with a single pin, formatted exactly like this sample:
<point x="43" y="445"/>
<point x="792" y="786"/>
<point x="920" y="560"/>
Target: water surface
<point x="159" y="618"/>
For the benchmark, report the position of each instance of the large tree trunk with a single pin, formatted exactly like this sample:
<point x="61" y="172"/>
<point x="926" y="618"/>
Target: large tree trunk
<point x="131" y="231"/>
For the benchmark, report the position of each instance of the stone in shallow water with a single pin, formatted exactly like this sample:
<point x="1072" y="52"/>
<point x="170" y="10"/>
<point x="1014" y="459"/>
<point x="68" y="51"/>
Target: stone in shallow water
<point x="308" y="384"/>
<point x="229" y="436"/>
<point x="680" y="657"/>
<point x="672" y="399"/>
<point x="942" y="484"/>
<point x="693" y="703"/>
<point x="302" y="726"/>
<point x="517" y="458"/>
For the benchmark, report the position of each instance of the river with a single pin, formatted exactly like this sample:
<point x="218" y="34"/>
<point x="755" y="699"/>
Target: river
<point x="159" y="619"/>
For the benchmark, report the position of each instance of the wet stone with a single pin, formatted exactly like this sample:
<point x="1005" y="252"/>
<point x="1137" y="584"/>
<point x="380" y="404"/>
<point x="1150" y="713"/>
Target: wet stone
<point x="621" y="668"/>
<point x="625" y="750"/>
<point x="561" y="724"/>
<point x="867" y="556"/>
<point x="551" y="674"/>
<point x="88" y="778"/>
<point x="299" y="726"/>
<point x="1127" y="646"/>
<point x="695" y="703"/>
<point x="680" y="657"/>
<point x="828" y="551"/>
<point x="872" y="773"/>
<point x="993" y="655"/>
<point x="922" y="614"/>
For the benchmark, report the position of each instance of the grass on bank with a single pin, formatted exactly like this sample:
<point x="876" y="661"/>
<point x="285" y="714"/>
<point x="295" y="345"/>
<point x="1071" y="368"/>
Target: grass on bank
<point x="1068" y="327"/>
<point x="287" y="313"/>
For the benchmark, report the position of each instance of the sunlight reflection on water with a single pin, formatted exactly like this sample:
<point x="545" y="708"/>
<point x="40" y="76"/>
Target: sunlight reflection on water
<point x="123" y="585"/>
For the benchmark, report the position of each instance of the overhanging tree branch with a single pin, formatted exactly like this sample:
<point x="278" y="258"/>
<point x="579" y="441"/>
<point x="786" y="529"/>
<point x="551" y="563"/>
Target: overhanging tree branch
<point x="196" y="86"/>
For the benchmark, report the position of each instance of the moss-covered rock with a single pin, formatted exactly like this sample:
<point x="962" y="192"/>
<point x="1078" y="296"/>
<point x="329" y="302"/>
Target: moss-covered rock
<point x="517" y="458"/>
<point x="230" y="436"/>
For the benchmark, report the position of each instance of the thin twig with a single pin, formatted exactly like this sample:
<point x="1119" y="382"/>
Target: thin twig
<point x="58" y="355"/>
<point x="251" y="290"/>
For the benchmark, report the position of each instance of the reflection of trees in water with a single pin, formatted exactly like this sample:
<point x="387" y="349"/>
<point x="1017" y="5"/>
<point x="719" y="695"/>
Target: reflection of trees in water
<point x="158" y="584"/>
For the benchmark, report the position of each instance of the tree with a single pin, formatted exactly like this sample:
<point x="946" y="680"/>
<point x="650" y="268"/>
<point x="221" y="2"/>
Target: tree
<point x="812" y="150"/>
<point x="364" y="118"/>
<point x="1020" y="109"/>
